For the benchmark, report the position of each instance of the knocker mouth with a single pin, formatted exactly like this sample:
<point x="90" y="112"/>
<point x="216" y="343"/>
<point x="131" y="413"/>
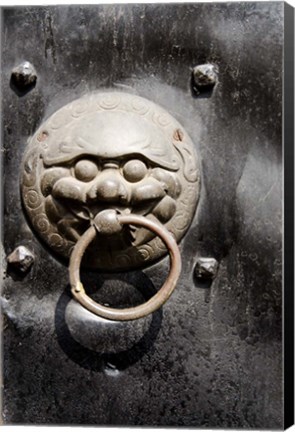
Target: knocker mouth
<point x="90" y="213"/>
<point x="93" y="215"/>
<point x="106" y="224"/>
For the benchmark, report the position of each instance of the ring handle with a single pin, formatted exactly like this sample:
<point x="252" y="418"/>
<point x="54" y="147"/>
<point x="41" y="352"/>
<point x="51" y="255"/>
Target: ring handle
<point x="136" y="312"/>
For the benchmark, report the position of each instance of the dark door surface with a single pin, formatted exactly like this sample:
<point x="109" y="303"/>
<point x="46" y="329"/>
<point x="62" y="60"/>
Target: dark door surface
<point x="211" y="356"/>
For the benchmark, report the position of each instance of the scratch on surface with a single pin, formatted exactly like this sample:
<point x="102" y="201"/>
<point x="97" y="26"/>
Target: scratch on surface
<point x="49" y="42"/>
<point x="268" y="192"/>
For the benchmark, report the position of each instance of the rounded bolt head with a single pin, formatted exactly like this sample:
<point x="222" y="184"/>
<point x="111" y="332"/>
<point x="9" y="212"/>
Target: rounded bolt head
<point x="24" y="76"/>
<point x="204" y="77"/>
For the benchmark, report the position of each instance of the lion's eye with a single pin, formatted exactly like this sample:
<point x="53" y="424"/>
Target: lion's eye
<point x="134" y="170"/>
<point x="86" y="170"/>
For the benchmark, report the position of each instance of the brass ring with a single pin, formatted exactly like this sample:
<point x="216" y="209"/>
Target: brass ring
<point x="138" y="311"/>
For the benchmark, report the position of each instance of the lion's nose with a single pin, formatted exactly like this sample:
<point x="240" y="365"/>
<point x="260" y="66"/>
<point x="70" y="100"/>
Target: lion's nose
<point x="109" y="187"/>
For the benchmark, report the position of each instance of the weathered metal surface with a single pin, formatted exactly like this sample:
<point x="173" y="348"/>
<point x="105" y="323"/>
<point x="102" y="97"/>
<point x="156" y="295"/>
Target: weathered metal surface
<point x="104" y="151"/>
<point x="210" y="357"/>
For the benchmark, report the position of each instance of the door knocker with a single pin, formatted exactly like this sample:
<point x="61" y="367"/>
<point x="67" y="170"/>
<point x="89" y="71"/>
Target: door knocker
<point x="112" y="178"/>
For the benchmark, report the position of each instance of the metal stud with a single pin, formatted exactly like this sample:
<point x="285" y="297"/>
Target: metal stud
<point x="23" y="78"/>
<point x="206" y="268"/>
<point x="21" y="259"/>
<point x="204" y="78"/>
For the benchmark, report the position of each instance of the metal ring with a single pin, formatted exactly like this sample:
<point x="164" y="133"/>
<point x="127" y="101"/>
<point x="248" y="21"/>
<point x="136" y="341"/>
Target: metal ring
<point x="138" y="311"/>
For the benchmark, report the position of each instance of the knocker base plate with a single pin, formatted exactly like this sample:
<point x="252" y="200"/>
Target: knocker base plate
<point x="115" y="151"/>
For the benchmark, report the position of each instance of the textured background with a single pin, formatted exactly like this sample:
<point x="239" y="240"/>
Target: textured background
<point x="212" y="356"/>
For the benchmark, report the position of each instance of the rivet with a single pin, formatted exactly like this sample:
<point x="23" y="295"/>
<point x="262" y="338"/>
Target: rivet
<point x="23" y="78"/>
<point x="21" y="259"/>
<point x="204" y="78"/>
<point x="206" y="268"/>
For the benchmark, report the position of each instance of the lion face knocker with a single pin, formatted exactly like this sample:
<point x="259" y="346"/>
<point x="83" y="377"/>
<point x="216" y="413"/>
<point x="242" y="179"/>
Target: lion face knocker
<point x="110" y="151"/>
